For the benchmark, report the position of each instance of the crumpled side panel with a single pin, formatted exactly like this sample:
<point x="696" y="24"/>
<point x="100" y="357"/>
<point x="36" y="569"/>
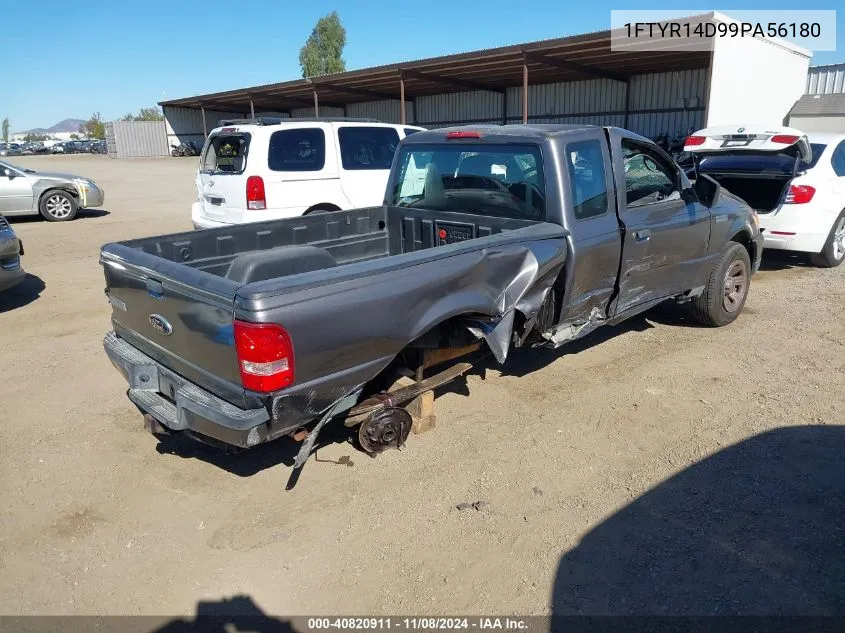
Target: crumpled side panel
<point x="72" y="186"/>
<point x="345" y="333"/>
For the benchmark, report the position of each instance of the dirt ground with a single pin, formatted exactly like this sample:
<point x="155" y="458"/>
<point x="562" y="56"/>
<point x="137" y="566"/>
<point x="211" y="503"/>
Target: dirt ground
<point x="655" y="467"/>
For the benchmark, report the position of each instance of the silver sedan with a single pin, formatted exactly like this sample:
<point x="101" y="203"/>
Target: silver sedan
<point x="55" y="196"/>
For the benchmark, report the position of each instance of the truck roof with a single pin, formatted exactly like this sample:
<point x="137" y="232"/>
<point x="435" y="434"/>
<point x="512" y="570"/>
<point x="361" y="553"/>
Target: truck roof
<point x="515" y="133"/>
<point x="500" y="133"/>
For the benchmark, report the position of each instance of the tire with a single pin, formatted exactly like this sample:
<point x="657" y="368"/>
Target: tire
<point x="715" y="307"/>
<point x="321" y="208"/>
<point x="174" y="153"/>
<point x="58" y="206"/>
<point x="833" y="252"/>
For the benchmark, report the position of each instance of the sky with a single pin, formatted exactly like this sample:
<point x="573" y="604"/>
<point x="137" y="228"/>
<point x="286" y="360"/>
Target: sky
<point x="116" y="57"/>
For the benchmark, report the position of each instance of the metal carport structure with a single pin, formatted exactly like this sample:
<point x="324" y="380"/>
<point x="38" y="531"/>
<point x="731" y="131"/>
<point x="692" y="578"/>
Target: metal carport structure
<point x="580" y="78"/>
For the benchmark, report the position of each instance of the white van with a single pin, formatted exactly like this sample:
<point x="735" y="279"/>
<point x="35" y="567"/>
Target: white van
<point x="268" y="168"/>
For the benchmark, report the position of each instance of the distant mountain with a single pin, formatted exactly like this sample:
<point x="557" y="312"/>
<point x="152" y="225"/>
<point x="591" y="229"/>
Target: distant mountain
<point x="68" y="125"/>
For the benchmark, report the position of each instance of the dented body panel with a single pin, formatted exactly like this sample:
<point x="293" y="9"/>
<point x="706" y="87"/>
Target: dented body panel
<point x="395" y="276"/>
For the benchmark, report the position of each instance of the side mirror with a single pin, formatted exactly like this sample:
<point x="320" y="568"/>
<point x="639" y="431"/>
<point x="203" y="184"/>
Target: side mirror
<point x="8" y="173"/>
<point x="707" y="190"/>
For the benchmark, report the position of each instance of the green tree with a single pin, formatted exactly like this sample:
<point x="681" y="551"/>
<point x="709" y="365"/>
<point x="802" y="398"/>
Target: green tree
<point x="6" y="130"/>
<point x="94" y="127"/>
<point x="146" y="114"/>
<point x="323" y="50"/>
<point x="75" y="137"/>
<point x="35" y="137"/>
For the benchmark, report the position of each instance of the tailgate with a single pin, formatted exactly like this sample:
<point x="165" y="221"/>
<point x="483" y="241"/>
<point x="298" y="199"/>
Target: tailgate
<point x="179" y="316"/>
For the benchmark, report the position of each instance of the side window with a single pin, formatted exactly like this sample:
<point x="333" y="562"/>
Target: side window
<point x="367" y="147"/>
<point x="410" y="130"/>
<point x="647" y="178"/>
<point x="837" y="159"/>
<point x="587" y="182"/>
<point x="297" y="150"/>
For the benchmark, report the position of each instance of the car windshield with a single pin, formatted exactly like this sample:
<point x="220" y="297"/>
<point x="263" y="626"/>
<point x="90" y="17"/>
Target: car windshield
<point x="759" y="162"/>
<point x="487" y="179"/>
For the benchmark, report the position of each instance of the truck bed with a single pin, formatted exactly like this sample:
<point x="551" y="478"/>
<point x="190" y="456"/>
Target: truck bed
<point x="349" y="286"/>
<point x="247" y="253"/>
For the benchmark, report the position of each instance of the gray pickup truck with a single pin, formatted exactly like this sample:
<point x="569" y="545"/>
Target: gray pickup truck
<point x="489" y="237"/>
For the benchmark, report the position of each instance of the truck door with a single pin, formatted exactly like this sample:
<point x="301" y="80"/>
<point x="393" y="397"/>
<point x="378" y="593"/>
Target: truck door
<point x="594" y="240"/>
<point x="665" y="237"/>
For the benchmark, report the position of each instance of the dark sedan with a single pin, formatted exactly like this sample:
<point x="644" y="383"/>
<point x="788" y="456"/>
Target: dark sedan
<point x="11" y="249"/>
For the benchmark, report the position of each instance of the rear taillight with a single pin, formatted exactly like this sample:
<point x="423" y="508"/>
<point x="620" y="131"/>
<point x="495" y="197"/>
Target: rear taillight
<point x="255" y="198"/>
<point x="694" y="140"/>
<point x="786" y="139"/>
<point x="799" y="194"/>
<point x="265" y="356"/>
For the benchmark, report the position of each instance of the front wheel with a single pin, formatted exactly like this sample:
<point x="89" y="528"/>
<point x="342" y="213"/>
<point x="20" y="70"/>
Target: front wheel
<point x="726" y="290"/>
<point x="833" y="252"/>
<point x="58" y="206"/>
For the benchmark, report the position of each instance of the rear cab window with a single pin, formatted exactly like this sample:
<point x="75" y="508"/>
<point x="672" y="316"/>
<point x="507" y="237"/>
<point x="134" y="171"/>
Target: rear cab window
<point x="587" y="178"/>
<point x="367" y="148"/>
<point x="487" y="179"/>
<point x="225" y="153"/>
<point x="301" y="149"/>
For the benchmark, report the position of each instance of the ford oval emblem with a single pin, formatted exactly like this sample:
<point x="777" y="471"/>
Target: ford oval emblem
<point x="161" y="324"/>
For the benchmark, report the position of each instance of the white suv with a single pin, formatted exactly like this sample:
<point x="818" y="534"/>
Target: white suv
<point x="267" y="169"/>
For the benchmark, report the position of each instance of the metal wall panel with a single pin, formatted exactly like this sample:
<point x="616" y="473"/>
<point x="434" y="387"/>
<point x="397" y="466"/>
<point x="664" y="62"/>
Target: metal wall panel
<point x="825" y="80"/>
<point x="134" y="139"/>
<point x="458" y="108"/>
<point x="551" y="102"/>
<point x="385" y="111"/>
<point x="185" y="124"/>
<point x="668" y="103"/>
<point x="309" y="112"/>
<point x="659" y="103"/>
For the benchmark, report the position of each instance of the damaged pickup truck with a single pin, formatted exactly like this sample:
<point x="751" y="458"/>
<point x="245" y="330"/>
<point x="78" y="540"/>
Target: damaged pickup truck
<point x="489" y="237"/>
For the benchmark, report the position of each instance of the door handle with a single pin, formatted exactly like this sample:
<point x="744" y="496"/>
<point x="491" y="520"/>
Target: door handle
<point x="642" y="236"/>
<point x="155" y="289"/>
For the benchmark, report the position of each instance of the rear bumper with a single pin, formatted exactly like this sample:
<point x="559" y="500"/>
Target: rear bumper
<point x="11" y="270"/>
<point x="797" y="227"/>
<point x="180" y="405"/>
<point x="11" y="278"/>
<point x="201" y="222"/>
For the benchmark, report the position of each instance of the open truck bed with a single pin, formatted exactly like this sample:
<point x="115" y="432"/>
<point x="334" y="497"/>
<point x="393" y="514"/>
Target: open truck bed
<point x="352" y="289"/>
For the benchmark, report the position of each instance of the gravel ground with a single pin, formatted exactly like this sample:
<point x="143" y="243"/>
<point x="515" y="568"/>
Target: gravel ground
<point x="655" y="467"/>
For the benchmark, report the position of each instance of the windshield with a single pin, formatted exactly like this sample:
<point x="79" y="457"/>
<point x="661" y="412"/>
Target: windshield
<point x="759" y="162"/>
<point x="487" y="179"/>
<point x="225" y="154"/>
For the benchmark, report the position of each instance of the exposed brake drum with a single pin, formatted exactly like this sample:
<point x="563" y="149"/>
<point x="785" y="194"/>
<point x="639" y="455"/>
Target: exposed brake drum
<point x="386" y="428"/>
